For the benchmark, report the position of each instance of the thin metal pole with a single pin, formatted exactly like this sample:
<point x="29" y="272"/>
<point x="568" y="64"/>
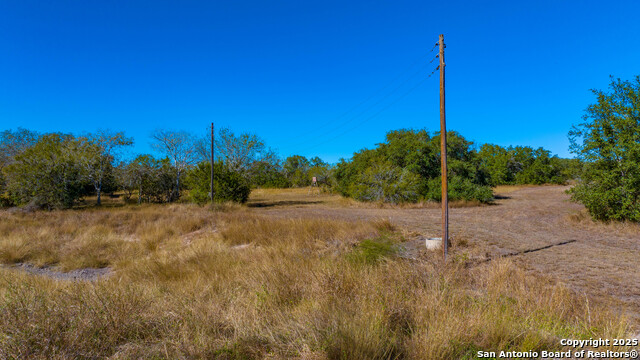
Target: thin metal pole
<point x="443" y="156"/>
<point x="212" y="152"/>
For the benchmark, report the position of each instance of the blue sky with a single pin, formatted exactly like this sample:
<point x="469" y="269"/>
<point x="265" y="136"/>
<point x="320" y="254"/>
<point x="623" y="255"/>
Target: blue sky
<point x="320" y="78"/>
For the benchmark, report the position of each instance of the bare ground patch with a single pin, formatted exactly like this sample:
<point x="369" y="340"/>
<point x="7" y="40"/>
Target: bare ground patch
<point x="86" y="274"/>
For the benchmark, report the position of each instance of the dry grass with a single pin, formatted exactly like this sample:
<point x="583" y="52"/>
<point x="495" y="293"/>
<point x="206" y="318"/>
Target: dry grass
<point x="505" y="189"/>
<point x="190" y="282"/>
<point x="305" y="197"/>
<point x="348" y="202"/>
<point x="95" y="237"/>
<point x="583" y="219"/>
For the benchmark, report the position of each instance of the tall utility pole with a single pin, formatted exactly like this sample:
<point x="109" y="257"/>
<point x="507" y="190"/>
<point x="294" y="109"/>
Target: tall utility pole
<point x="443" y="156"/>
<point x="212" y="151"/>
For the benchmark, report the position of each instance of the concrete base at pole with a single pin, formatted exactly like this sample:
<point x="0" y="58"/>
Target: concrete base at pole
<point x="433" y="243"/>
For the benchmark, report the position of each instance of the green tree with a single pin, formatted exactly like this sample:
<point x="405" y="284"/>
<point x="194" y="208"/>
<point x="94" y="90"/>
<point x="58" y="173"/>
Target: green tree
<point x="498" y="164"/>
<point x="296" y="169"/>
<point x="608" y="143"/>
<point x="387" y="183"/>
<point x="228" y="185"/>
<point x="47" y="174"/>
<point x="417" y="153"/>
<point x="12" y="143"/>
<point x="180" y="148"/>
<point x="265" y="174"/>
<point x="239" y="152"/>
<point x="97" y="154"/>
<point x="539" y="167"/>
<point x="152" y="178"/>
<point x="317" y="162"/>
<point x="522" y="165"/>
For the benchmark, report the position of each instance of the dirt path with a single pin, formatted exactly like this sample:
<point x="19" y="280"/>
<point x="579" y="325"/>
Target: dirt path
<point x="590" y="258"/>
<point x="87" y="274"/>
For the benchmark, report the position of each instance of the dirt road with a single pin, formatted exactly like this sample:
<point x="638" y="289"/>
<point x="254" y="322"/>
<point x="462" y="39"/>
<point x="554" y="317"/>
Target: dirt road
<point x="599" y="260"/>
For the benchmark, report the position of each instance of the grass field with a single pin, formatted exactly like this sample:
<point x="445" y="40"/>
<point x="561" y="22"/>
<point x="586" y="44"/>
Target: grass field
<point x="313" y="276"/>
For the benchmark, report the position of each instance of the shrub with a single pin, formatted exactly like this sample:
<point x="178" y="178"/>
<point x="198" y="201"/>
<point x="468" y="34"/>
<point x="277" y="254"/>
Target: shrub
<point x="47" y="175"/>
<point x="459" y="189"/>
<point x="228" y="185"/>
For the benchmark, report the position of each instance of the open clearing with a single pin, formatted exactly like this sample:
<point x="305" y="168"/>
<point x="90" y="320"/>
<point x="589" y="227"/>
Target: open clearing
<point x="597" y="259"/>
<point x="315" y="276"/>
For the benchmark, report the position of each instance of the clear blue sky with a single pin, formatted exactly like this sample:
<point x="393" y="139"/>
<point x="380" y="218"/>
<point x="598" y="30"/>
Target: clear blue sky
<point x="518" y="72"/>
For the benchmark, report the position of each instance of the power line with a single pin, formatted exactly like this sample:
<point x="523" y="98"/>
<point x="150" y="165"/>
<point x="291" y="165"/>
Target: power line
<point x="368" y="108"/>
<point x="376" y="114"/>
<point x="434" y="71"/>
<point x="400" y="75"/>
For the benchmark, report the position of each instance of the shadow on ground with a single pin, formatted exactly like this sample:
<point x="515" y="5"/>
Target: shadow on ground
<point x="264" y="204"/>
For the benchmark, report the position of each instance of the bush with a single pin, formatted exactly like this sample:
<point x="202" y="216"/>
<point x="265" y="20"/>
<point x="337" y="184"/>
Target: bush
<point x="47" y="175"/>
<point x="5" y="200"/>
<point x="460" y="189"/>
<point x="228" y="185"/>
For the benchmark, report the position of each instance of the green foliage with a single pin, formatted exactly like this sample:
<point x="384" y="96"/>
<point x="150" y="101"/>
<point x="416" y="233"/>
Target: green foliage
<point x="240" y="151"/>
<point x="372" y="251"/>
<point x="296" y="169"/>
<point x="406" y="168"/>
<point x="228" y="185"/>
<point x="571" y="168"/>
<point x="459" y="188"/>
<point x="499" y="164"/>
<point x="47" y="174"/>
<point x="608" y="143"/>
<point x="12" y="143"/>
<point x="388" y="183"/>
<point x="153" y="179"/>
<point x="317" y="162"/>
<point x="538" y="167"/>
<point x="160" y="184"/>
<point x="96" y="156"/>
<point x="299" y="171"/>
<point x="522" y="165"/>
<point x="264" y="174"/>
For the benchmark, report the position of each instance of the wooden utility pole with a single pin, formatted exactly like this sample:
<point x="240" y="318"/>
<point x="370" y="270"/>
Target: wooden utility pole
<point x="443" y="156"/>
<point x="212" y="152"/>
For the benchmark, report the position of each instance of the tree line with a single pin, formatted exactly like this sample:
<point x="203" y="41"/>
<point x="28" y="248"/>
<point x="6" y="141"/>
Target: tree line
<point x="406" y="168"/>
<point x="57" y="170"/>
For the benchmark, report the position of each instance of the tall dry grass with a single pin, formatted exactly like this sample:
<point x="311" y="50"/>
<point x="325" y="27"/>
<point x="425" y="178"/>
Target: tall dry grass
<point x="189" y="282"/>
